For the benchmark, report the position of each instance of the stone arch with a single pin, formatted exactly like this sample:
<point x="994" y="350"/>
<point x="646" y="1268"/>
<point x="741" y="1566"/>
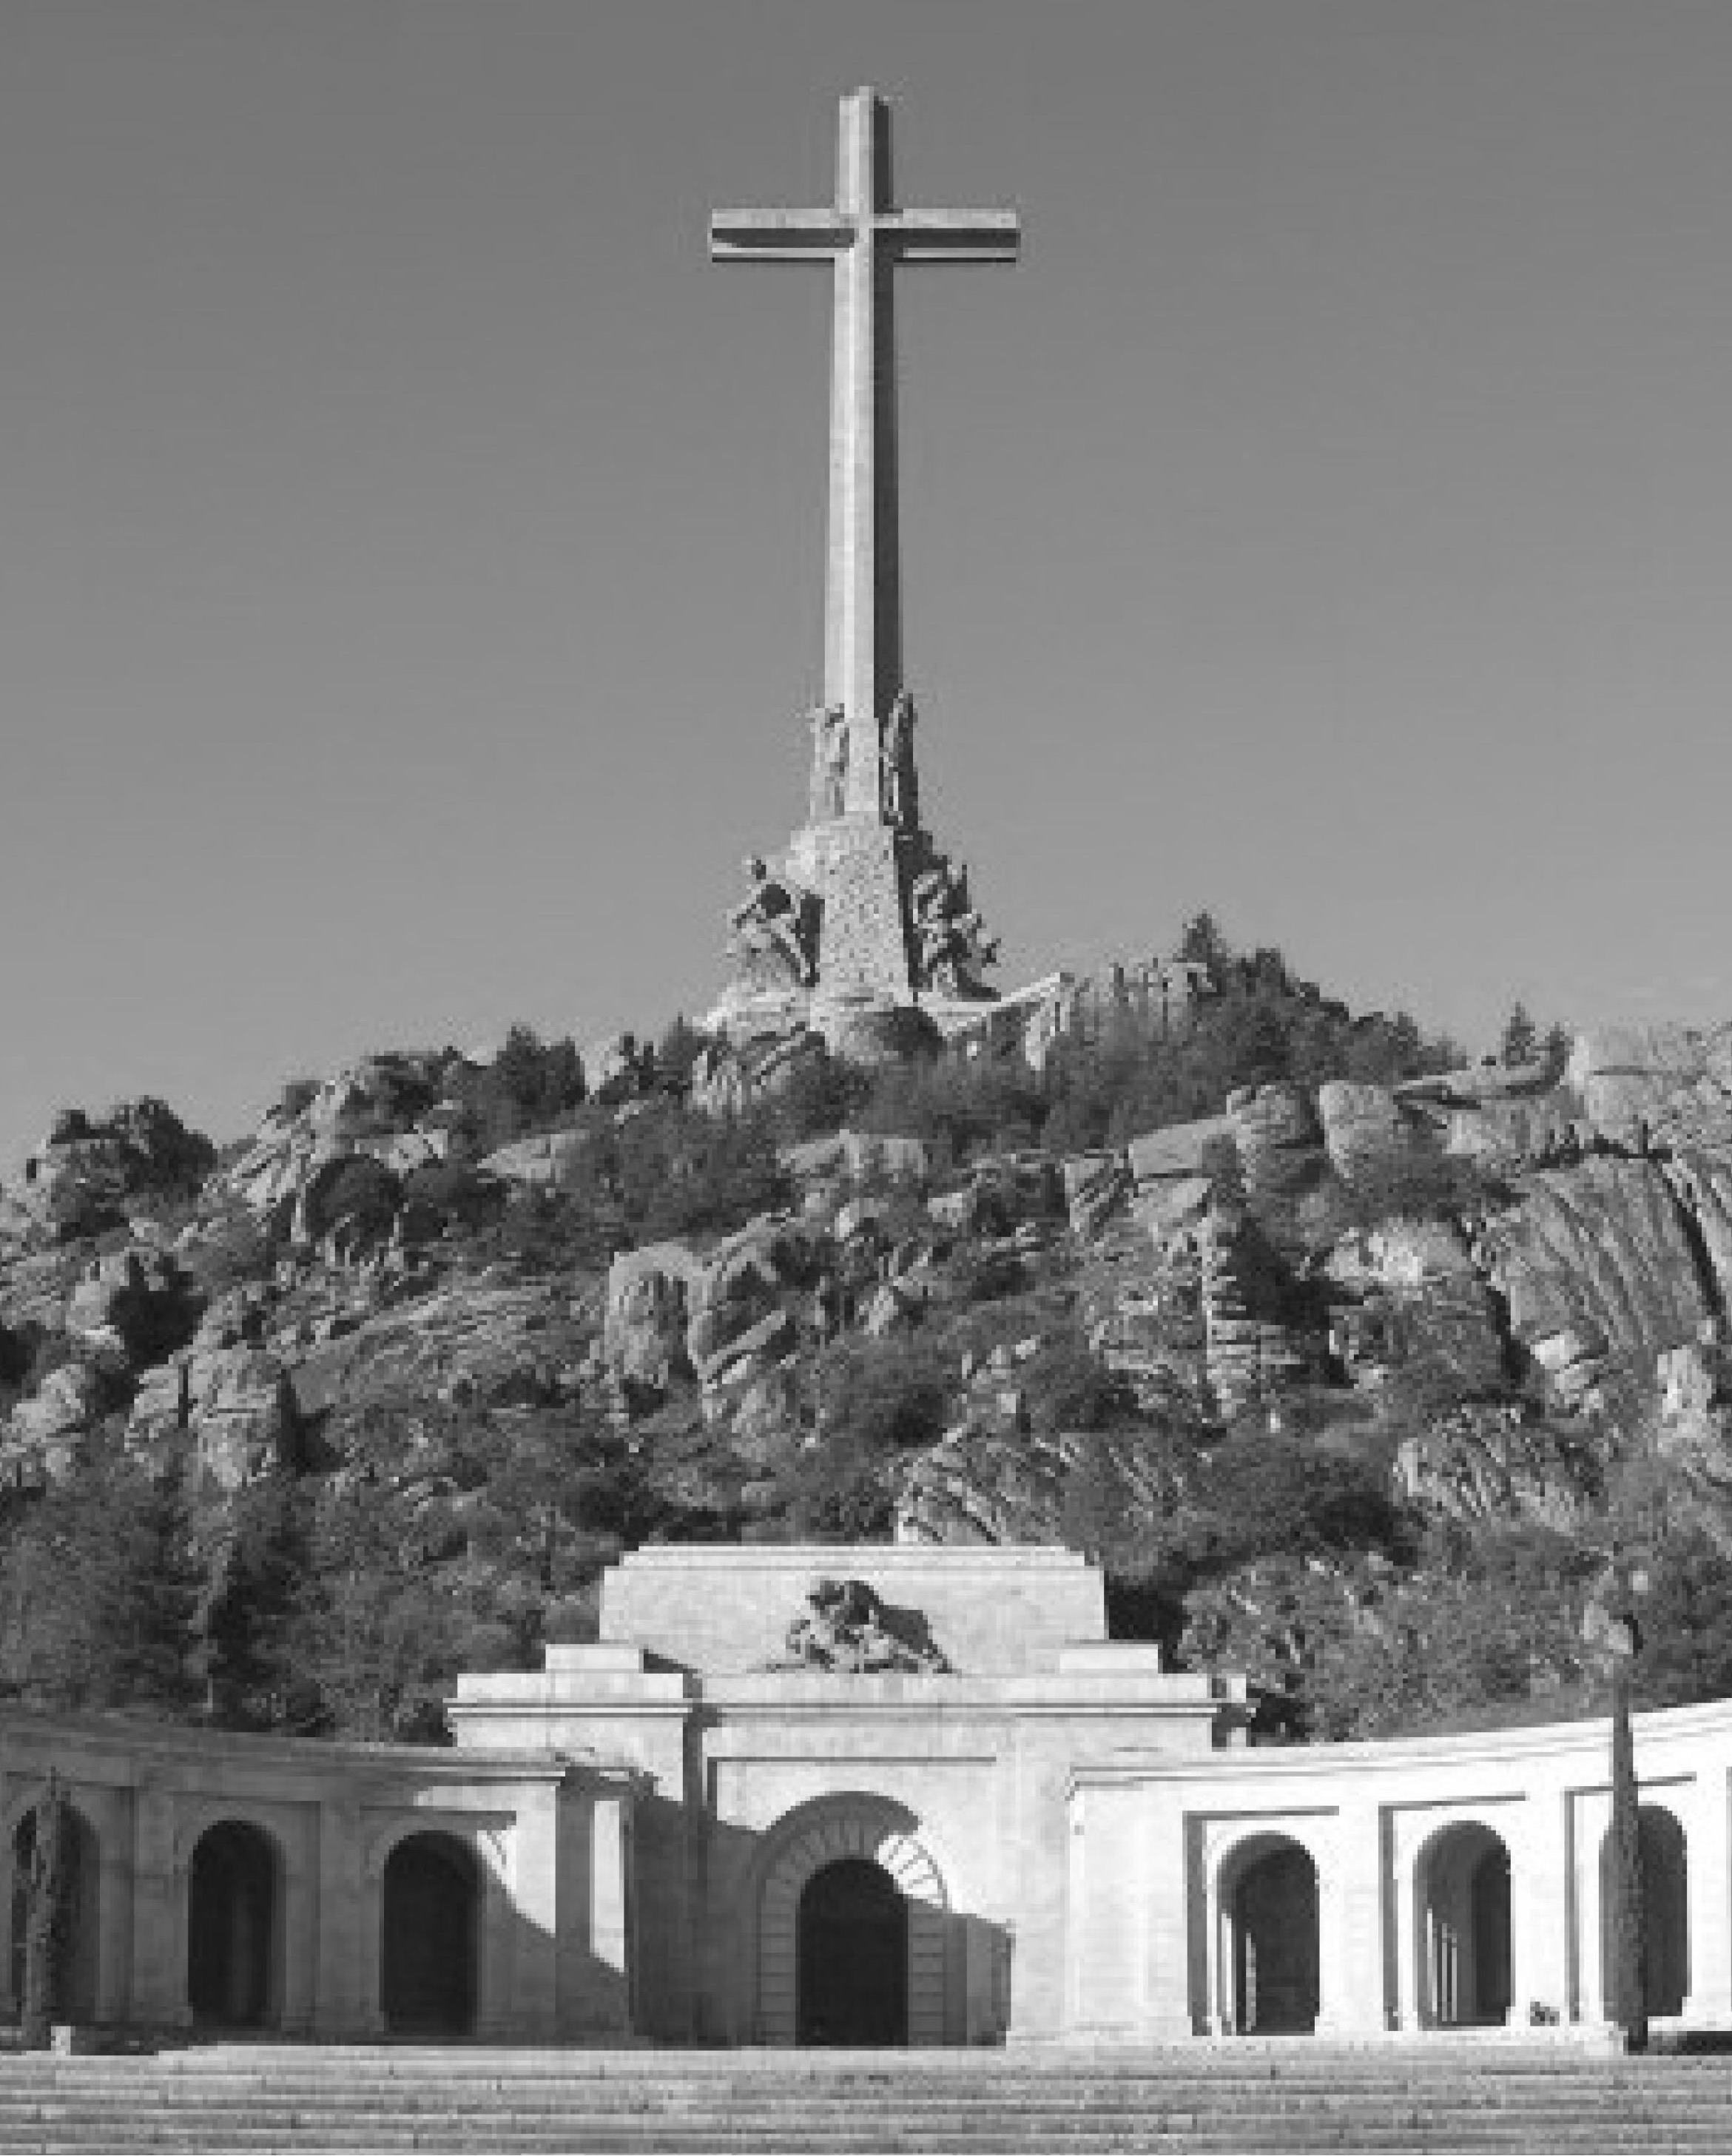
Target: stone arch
<point x="1665" y="1906"/>
<point x="235" y="1877"/>
<point x="83" y="1968"/>
<point x="1269" y="1955"/>
<point x="1463" y="1928"/>
<point x="430" y="1901"/>
<point x="862" y="1828"/>
<point x="483" y="1835"/>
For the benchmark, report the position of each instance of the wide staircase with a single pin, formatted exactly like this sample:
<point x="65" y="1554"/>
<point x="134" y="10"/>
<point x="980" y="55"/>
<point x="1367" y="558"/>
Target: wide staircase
<point x="1295" y="2095"/>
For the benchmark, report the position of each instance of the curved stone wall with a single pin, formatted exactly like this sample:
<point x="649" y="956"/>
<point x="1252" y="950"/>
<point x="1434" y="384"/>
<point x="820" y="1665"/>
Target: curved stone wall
<point x="1082" y="1859"/>
<point x="1411" y="1932"/>
<point x="149" y="1796"/>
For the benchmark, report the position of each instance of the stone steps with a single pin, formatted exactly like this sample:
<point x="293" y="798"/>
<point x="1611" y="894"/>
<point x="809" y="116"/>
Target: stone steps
<point x="1446" y="2098"/>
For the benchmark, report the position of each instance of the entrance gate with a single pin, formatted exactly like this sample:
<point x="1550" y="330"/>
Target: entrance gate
<point x="854" y="1836"/>
<point x="231" y="1927"/>
<point x="853" y="1957"/>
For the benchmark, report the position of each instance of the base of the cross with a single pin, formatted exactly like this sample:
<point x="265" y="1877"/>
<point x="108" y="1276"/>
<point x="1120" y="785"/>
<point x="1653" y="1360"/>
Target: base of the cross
<point x="863" y="932"/>
<point x="866" y="1031"/>
<point x="745" y="1015"/>
<point x="854" y="863"/>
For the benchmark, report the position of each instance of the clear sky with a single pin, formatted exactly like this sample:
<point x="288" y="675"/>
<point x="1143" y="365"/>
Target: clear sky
<point x="410" y="563"/>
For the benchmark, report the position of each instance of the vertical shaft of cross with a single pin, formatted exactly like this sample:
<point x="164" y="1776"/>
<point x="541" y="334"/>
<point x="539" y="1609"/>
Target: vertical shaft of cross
<point x="863" y="237"/>
<point x="863" y="626"/>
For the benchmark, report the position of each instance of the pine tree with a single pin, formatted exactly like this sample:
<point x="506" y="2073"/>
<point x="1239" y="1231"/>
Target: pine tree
<point x="1520" y="1040"/>
<point x="373" y="1640"/>
<point x="47" y="1910"/>
<point x="251" y="1579"/>
<point x="98" y="1594"/>
<point x="1628" y="2003"/>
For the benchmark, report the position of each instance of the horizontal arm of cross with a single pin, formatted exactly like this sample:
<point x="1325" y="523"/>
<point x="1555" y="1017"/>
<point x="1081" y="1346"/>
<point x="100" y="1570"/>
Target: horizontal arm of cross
<point x="778" y="235"/>
<point x="912" y="235"/>
<point x="952" y="235"/>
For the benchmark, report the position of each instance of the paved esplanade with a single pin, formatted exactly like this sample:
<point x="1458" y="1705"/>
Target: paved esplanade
<point x="864" y="237"/>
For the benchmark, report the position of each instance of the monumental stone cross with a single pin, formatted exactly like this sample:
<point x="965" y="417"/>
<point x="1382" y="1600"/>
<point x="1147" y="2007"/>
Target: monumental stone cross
<point x="863" y="239"/>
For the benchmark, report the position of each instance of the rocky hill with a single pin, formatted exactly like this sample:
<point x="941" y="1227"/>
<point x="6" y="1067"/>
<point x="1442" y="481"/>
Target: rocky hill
<point x="1357" y="1367"/>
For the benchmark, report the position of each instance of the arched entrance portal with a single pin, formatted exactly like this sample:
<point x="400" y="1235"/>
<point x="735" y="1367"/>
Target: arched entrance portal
<point x="1464" y="1928"/>
<point x="1665" y="1910"/>
<point x="81" y="1858"/>
<point x="430" y="1937"/>
<point x="233" y="1927"/>
<point x="853" y="1979"/>
<point x="860" y="1840"/>
<point x="1271" y="1898"/>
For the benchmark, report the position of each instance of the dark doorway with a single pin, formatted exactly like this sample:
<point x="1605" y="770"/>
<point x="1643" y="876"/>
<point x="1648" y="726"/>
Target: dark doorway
<point x="853" y="1957"/>
<point x="1488" y="1893"/>
<point x="232" y="1927"/>
<point x="79" y="1914"/>
<point x="1275" y="1977"/>
<point x="431" y="1933"/>
<point x="1462" y="1885"/>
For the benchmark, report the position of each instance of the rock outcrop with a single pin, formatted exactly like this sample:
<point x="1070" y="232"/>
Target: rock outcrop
<point x="731" y="1076"/>
<point x="230" y="1411"/>
<point x="1173" y="1171"/>
<point x="983" y="1485"/>
<point x="1280" y="1141"/>
<point x="648" y="1295"/>
<point x="391" y="1108"/>
<point x="552" y="1161"/>
<point x="91" y="1170"/>
<point x="136" y="1301"/>
<point x="1693" y="1431"/>
<point x="1097" y="1187"/>
<point x="1490" y="1464"/>
<point x="1253" y="1342"/>
<point x="45" y="1437"/>
<point x="1366" y="1130"/>
<point x="1646" y="1088"/>
<point x="1594" y="1263"/>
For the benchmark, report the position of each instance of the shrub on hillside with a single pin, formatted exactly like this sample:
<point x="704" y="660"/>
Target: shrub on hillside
<point x="1423" y="1182"/>
<point x="452" y="1193"/>
<point x="678" y="1172"/>
<point x="819" y="1094"/>
<point x="530" y="1085"/>
<point x="1262" y="1494"/>
<point x="876" y="1401"/>
<point x="1257" y="1022"/>
<point x="361" y="1197"/>
<point x="961" y="1110"/>
<point x="1687" y="1624"/>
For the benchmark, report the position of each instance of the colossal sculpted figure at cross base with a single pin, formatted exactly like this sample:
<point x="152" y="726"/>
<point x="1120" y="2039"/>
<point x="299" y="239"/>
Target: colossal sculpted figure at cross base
<point x="894" y="929"/>
<point x="829" y="723"/>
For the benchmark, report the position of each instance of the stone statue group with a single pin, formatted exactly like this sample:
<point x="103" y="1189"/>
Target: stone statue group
<point x="898" y="786"/>
<point x="776" y="929"/>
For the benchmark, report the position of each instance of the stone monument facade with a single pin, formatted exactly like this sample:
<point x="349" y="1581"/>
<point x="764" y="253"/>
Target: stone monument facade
<point x="862" y="913"/>
<point x="1067" y="1844"/>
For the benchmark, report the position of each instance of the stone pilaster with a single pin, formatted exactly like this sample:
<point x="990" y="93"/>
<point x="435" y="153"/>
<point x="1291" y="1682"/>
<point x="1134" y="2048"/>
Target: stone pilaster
<point x="338" y="2003"/>
<point x="159" y="1969"/>
<point x="1352" y="1924"/>
<point x="1709" y="1831"/>
<point x="1541" y="1899"/>
<point x="530" y="1896"/>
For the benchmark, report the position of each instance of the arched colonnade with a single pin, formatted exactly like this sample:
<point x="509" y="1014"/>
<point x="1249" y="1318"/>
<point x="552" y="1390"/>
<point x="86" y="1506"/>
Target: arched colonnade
<point x="237" y="1897"/>
<point x="1277" y="1939"/>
